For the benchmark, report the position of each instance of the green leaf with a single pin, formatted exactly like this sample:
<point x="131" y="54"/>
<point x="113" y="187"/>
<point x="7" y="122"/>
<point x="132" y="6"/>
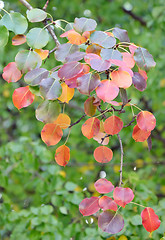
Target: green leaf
<point x="35" y="76"/>
<point x="36" y="15"/>
<point x="46" y="209"/>
<point x="50" y="88"/>
<point x="37" y="38"/>
<point x="27" y="60"/>
<point x="4" y="35"/>
<point x="136" y="220"/>
<point x="144" y="59"/>
<point x="15" y="22"/>
<point x="48" y="111"/>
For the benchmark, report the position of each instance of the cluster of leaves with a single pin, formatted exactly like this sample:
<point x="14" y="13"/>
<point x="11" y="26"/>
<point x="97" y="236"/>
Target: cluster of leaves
<point x="98" y="64"/>
<point x="109" y="220"/>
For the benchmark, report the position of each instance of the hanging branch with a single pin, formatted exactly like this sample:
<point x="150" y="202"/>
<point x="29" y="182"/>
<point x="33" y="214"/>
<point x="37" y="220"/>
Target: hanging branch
<point x="77" y="121"/>
<point x="121" y="161"/>
<point x="45" y="22"/>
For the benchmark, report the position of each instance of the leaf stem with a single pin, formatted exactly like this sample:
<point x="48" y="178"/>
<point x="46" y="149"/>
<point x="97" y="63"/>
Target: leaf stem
<point x="138" y="204"/>
<point x="121" y="160"/>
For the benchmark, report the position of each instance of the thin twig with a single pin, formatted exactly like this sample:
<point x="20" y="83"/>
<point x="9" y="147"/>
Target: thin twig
<point x="130" y="123"/>
<point x="45" y="22"/>
<point x="46" y="5"/>
<point x="121" y="161"/>
<point x="134" y="16"/>
<point x="77" y="121"/>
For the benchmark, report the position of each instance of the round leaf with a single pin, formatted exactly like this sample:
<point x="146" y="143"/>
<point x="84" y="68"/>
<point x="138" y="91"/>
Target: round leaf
<point x="67" y="93"/>
<point x="87" y="83"/>
<point x="139" y="81"/>
<point x="51" y="134"/>
<point x="123" y="196"/>
<point x="63" y="120"/>
<point x="4" y="35"/>
<point x="102" y="39"/>
<point x="107" y="203"/>
<point x="146" y="121"/>
<point x="64" y="50"/>
<point x="50" y="88"/>
<point x="100" y="65"/>
<point x="89" y="107"/>
<point x="36" y="15"/>
<point x="121" y="78"/>
<point x="91" y="127"/>
<point x="84" y="24"/>
<point x="113" y="125"/>
<point x="140" y="135"/>
<point x="18" y="39"/>
<point x="11" y="73"/>
<point x="89" y="206"/>
<point x="110" y="222"/>
<point x="62" y="155"/>
<point x="150" y="220"/>
<point x="37" y="38"/>
<point x="35" y="76"/>
<point x="103" y="186"/>
<point x="70" y="70"/>
<point x="103" y="154"/>
<point x="107" y="90"/>
<point x="144" y="59"/>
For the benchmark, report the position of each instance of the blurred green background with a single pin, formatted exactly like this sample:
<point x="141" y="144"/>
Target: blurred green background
<point x="38" y="198"/>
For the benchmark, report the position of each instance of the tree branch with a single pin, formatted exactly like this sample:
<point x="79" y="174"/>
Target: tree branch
<point x="45" y="22"/>
<point x="121" y="161"/>
<point x="134" y="16"/>
<point x="46" y="5"/>
<point x="77" y="121"/>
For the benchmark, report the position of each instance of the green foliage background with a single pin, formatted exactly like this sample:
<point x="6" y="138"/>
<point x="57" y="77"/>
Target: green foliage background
<point x="39" y="199"/>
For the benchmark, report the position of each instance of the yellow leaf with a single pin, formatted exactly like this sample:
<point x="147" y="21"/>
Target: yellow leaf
<point x="43" y="53"/>
<point x="67" y="93"/>
<point x="63" y="120"/>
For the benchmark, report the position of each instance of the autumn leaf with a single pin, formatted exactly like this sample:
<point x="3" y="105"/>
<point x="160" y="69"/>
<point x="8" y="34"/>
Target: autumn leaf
<point x="62" y="155"/>
<point x="22" y="97"/>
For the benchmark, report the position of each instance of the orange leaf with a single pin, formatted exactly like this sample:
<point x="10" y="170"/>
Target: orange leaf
<point x="140" y="135"/>
<point x="94" y="48"/>
<point x="43" y="53"/>
<point x="91" y="127"/>
<point x="62" y="155"/>
<point x="121" y="78"/>
<point x="113" y="125"/>
<point x="67" y="93"/>
<point x="146" y="121"/>
<point x="76" y="38"/>
<point x="103" y="154"/>
<point x="22" y="97"/>
<point x="51" y="134"/>
<point x="11" y="73"/>
<point x="63" y="121"/>
<point x="18" y="39"/>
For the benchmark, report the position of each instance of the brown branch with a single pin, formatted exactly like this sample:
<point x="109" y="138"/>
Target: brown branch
<point x="121" y="161"/>
<point x="134" y="16"/>
<point x="130" y="123"/>
<point x="46" y="5"/>
<point x="45" y="22"/>
<point x="77" y="121"/>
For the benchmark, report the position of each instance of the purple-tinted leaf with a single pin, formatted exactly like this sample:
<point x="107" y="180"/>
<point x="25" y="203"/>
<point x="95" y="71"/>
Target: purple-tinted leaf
<point x="144" y="59"/>
<point x="89" y="206"/>
<point x="88" y="82"/>
<point x="55" y="75"/>
<point x="100" y="65"/>
<point x="101" y="38"/>
<point x="35" y="76"/>
<point x="107" y="54"/>
<point x="149" y="142"/>
<point x="70" y="70"/>
<point x="84" y="24"/>
<point x="48" y="111"/>
<point x="76" y="56"/>
<point x="110" y="222"/>
<point x="50" y="88"/>
<point x="72" y="83"/>
<point x="139" y="81"/>
<point x="103" y="186"/>
<point x="121" y="34"/>
<point x="65" y="50"/>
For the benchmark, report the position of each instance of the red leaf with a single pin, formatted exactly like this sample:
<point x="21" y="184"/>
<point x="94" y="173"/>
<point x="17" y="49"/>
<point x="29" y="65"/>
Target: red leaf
<point x="103" y="186"/>
<point x="146" y="121"/>
<point x="51" y="134"/>
<point x="110" y="222"/>
<point x="140" y="135"/>
<point x="107" y="203"/>
<point x="88" y="82"/>
<point x="62" y="155"/>
<point x="113" y="125"/>
<point x="22" y="97"/>
<point x="11" y="73"/>
<point x="123" y="196"/>
<point x="150" y="220"/>
<point x="107" y="90"/>
<point x="103" y="154"/>
<point x="89" y="206"/>
<point x="91" y="127"/>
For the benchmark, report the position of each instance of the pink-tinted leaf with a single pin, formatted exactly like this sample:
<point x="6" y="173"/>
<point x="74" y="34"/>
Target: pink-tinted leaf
<point x="88" y="82"/>
<point x="89" y="56"/>
<point x="140" y="135"/>
<point x="118" y="63"/>
<point x="126" y="69"/>
<point x="22" y="97"/>
<point x="102" y="39"/>
<point x="11" y="73"/>
<point x="100" y="65"/>
<point x="121" y="78"/>
<point x="139" y="81"/>
<point x="150" y="220"/>
<point x="103" y="186"/>
<point x="144" y="59"/>
<point x="89" y="206"/>
<point x="110" y="222"/>
<point x="107" y="90"/>
<point x="108" y="54"/>
<point x="121" y="34"/>
<point x="84" y="24"/>
<point x="70" y="70"/>
<point x="128" y="59"/>
<point x="107" y="203"/>
<point x="123" y="196"/>
<point x="64" y="50"/>
<point x="132" y="48"/>
<point x="146" y="121"/>
<point x="143" y="73"/>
